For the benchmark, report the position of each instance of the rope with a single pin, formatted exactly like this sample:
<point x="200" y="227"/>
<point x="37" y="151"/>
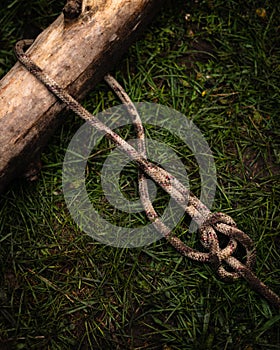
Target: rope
<point x="210" y="224"/>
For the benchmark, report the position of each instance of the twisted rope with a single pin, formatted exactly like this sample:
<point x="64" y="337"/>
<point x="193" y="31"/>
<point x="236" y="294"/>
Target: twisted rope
<point x="227" y="266"/>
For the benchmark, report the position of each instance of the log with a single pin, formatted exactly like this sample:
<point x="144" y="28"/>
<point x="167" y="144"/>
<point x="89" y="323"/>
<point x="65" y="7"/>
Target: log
<point x="77" y="50"/>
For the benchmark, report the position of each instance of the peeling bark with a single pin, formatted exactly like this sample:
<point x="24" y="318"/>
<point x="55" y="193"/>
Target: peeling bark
<point x="77" y="50"/>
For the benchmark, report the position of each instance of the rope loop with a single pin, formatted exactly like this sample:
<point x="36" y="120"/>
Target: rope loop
<point x="213" y="227"/>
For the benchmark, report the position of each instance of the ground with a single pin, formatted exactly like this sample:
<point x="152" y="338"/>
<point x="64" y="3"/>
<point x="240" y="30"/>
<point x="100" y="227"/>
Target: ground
<point x="217" y="63"/>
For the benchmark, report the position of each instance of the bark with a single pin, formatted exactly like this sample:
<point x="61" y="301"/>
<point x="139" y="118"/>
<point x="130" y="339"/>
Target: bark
<point x="77" y="49"/>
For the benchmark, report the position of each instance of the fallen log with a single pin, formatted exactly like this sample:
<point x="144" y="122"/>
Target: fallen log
<point x="76" y="50"/>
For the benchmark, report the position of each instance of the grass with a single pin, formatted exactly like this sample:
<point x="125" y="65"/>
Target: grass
<point x="59" y="288"/>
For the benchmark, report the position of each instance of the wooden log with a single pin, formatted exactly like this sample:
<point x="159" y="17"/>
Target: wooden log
<point x="77" y="50"/>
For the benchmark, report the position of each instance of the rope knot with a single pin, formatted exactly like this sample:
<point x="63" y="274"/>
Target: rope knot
<point x="220" y="235"/>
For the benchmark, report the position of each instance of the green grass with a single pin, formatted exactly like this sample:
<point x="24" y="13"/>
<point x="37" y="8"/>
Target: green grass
<point x="59" y="288"/>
